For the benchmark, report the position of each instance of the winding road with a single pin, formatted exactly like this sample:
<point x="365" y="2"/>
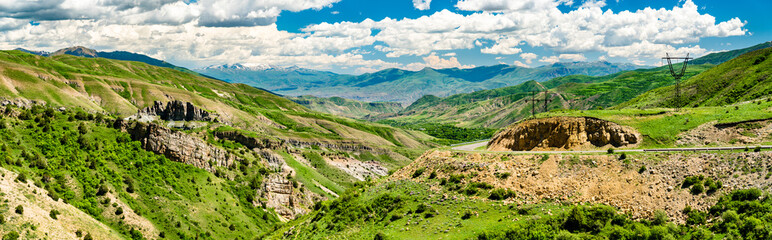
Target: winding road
<point x="472" y="146"/>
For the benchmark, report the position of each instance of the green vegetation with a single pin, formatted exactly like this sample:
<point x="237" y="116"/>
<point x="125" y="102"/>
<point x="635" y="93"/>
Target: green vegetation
<point x="445" y="134"/>
<point x="660" y="127"/>
<point x="76" y="160"/>
<point x="741" y="79"/>
<point x="347" y="108"/>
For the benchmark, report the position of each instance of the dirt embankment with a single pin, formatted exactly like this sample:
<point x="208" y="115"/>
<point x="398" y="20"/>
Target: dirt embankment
<point x="602" y="178"/>
<point x="744" y="133"/>
<point x="566" y="133"/>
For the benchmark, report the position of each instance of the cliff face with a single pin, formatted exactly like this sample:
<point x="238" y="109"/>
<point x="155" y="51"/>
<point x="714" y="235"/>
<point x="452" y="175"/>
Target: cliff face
<point x="563" y="133"/>
<point x="176" y="145"/>
<point x="175" y="111"/>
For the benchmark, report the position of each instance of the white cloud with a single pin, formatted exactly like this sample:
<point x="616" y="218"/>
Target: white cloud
<point x="593" y="4"/>
<point x="550" y="59"/>
<point x="422" y="4"/>
<point x="573" y="57"/>
<point x="229" y="31"/>
<point x="503" y="47"/>
<point x="450" y="54"/>
<point x="436" y="62"/>
<point x="213" y="13"/>
<point x="528" y="57"/>
<point x="520" y="64"/>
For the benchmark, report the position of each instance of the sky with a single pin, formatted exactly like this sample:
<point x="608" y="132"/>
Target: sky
<point x="360" y="36"/>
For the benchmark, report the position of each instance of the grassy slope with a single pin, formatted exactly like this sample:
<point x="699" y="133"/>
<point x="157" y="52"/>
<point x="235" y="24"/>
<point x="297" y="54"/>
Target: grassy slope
<point x="660" y="126"/>
<point x="744" y="78"/>
<point x="347" y="108"/>
<point x="122" y="87"/>
<point x="500" y="107"/>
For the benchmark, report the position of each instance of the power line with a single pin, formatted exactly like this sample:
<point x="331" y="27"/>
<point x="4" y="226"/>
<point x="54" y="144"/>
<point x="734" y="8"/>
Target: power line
<point x="677" y="75"/>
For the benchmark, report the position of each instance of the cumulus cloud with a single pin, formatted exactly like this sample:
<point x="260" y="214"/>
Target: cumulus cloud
<point x="436" y="62"/>
<point x="422" y="4"/>
<point x="211" y="13"/>
<point x="528" y="57"/>
<point x="229" y="31"/>
<point x="520" y="64"/>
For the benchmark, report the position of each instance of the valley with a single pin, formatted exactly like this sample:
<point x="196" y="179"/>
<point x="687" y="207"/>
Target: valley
<point x="114" y="149"/>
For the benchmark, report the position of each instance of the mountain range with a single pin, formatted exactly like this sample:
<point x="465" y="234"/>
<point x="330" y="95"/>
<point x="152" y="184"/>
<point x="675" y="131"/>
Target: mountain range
<point x="397" y="85"/>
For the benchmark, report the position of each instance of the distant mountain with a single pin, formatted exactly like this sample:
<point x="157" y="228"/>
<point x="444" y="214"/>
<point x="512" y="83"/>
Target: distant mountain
<point x="721" y="57"/>
<point x="81" y="51"/>
<point x="346" y="107"/>
<point x="744" y="78"/>
<point x="397" y="85"/>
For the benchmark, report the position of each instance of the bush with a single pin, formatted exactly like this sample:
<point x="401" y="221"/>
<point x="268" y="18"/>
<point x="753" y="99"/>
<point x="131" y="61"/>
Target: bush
<point x="757" y="149"/>
<point x="433" y="175"/>
<point x="501" y="194"/>
<point x="12" y="235"/>
<point x="119" y="211"/>
<point x="642" y="169"/>
<point x="421" y="208"/>
<point x="623" y="156"/>
<point x="660" y="218"/>
<point x="53" y="213"/>
<point x="19" y="210"/>
<point x="102" y="190"/>
<point x="610" y="151"/>
<point x="379" y="236"/>
<point x="22" y="178"/>
<point x="697" y="188"/>
<point x="467" y="215"/>
<point x="418" y="172"/>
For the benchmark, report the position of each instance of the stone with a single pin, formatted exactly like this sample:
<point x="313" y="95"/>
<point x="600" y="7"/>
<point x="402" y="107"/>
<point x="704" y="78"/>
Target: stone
<point x="566" y="133"/>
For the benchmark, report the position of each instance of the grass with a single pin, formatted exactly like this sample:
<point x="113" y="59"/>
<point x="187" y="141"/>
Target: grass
<point x="660" y="126"/>
<point x="309" y="177"/>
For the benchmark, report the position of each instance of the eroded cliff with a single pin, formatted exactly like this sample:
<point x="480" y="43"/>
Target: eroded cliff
<point x="563" y="133"/>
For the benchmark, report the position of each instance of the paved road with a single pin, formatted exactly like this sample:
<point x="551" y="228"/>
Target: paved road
<point x="473" y="146"/>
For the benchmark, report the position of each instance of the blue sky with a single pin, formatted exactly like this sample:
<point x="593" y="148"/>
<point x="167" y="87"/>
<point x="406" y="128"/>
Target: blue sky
<point x="357" y="36"/>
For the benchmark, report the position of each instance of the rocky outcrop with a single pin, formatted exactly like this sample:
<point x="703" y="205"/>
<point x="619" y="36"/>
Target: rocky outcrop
<point x="175" y="111"/>
<point x="566" y="133"/>
<point x="176" y="145"/>
<point x="282" y="195"/>
<point x="276" y="144"/>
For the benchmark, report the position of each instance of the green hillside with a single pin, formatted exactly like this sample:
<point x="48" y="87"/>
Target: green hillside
<point x="741" y="79"/>
<point x="59" y="131"/>
<point x="500" y="107"/>
<point x="721" y="57"/>
<point x="347" y="108"/>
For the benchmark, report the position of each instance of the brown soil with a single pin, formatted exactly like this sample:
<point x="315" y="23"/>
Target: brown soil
<point x="563" y="133"/>
<point x="603" y="178"/>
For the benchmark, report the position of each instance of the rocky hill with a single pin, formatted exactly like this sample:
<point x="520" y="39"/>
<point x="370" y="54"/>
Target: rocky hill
<point x="563" y="133"/>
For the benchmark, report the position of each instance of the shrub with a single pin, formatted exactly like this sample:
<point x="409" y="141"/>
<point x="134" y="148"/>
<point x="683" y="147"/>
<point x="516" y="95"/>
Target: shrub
<point x="610" y="151"/>
<point x="623" y="156"/>
<point x="418" y="172"/>
<point x="2" y="219"/>
<point x="697" y="188"/>
<point x="379" y="236"/>
<point x="501" y="194"/>
<point x="119" y="211"/>
<point x="19" y="210"/>
<point x="503" y="175"/>
<point x="421" y="208"/>
<point x="660" y="218"/>
<point x="12" y="235"/>
<point x="53" y="213"/>
<point x="433" y="175"/>
<point x="455" y="178"/>
<point x="102" y="190"/>
<point x="467" y="215"/>
<point x="642" y="169"/>
<point x="22" y="178"/>
<point x="757" y="149"/>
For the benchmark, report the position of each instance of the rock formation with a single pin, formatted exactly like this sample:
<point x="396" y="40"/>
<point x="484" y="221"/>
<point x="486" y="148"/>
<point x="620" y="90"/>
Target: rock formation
<point x="176" y="145"/>
<point x="280" y="194"/>
<point x="566" y="133"/>
<point x="175" y="111"/>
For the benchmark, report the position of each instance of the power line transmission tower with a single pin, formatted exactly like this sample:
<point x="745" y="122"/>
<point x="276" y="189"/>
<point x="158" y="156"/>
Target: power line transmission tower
<point x="677" y="74"/>
<point x="533" y="101"/>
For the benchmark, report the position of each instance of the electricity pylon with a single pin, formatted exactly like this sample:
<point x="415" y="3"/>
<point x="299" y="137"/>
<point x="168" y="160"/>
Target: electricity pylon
<point x="677" y="74"/>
